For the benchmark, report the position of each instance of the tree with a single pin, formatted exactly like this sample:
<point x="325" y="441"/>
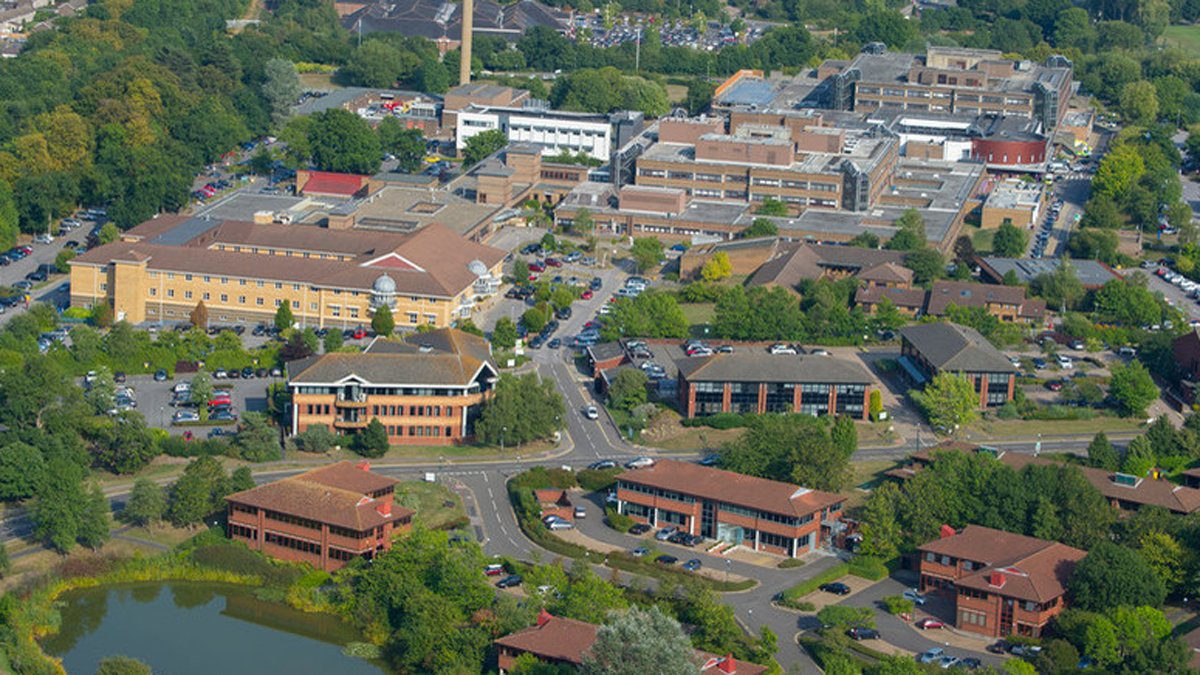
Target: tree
<point x="1112" y="575"/>
<point x="1102" y="454"/>
<point x="201" y="391"/>
<point x="281" y="89"/>
<point x="628" y="389"/>
<point x="197" y="492"/>
<point x="717" y="267"/>
<point x="407" y="145"/>
<point x="964" y="251"/>
<point x="699" y="95"/>
<point x="284" y="319"/>
<point x="791" y="448"/>
<point x="342" y="141"/>
<point x="199" y="316"/>
<point x="316" y="438"/>
<point x="881" y="531"/>
<point x="772" y="207"/>
<point x="646" y="252"/>
<point x="761" y="227"/>
<point x="910" y="232"/>
<point x="504" y="333"/>
<point x="147" y="503"/>
<point x="122" y="665"/>
<point x="382" y="322"/>
<point x="9" y="216"/>
<point x="652" y="314"/>
<point x="1009" y="241"/>
<point x="373" y="440"/>
<point x="125" y="444"/>
<point x="376" y="63"/>
<point x="1139" y="103"/>
<point x="333" y="341"/>
<point x="534" y="319"/>
<point x="108" y="233"/>
<point x="256" y="441"/>
<point x="524" y="408"/>
<point x="844" y="435"/>
<point x="482" y="145"/>
<point x="1118" y="171"/>
<point x="865" y="240"/>
<point x="948" y="400"/>
<point x="1132" y="388"/>
<point x="1060" y="287"/>
<point x="93" y="521"/>
<point x="926" y="264"/>
<point x="1166" y="556"/>
<point x="640" y="641"/>
<point x="22" y="470"/>
<point x="1139" y="457"/>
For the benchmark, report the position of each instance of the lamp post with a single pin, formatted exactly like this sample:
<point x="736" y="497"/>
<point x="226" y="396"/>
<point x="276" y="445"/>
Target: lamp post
<point x="502" y="430"/>
<point x="728" y="564"/>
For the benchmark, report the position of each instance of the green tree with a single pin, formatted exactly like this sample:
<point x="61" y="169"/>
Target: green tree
<point x="342" y="141"/>
<point x="125" y="445"/>
<point x="646" y="252"/>
<point x="1102" y="454"/>
<point x="1166" y="556"/>
<point x="407" y="145"/>
<point x="927" y="264"/>
<point x="772" y="207"/>
<point x="1009" y="241"/>
<point x="583" y="222"/>
<point x="640" y="641"/>
<point x="1060" y="288"/>
<point x="844" y="435"/>
<point x="93" y="521"/>
<point x="699" y="95"/>
<point x="1112" y="575"/>
<point x="865" y="240"/>
<point x="108" y="233"/>
<point x="281" y="88"/>
<point x="197" y="492"/>
<point x="628" y="389"/>
<point x="379" y="64"/>
<point x="284" y="319"/>
<point x="256" y="440"/>
<point x="1139" y="103"/>
<point x="483" y="144"/>
<point x="910" y="232"/>
<point x="1139" y="457"/>
<point x="58" y="508"/>
<point x="382" y="322"/>
<point x="791" y="448"/>
<point x="372" y="441"/>
<point x="22" y="471"/>
<point x="1118" y="171"/>
<point x="717" y="267"/>
<point x="534" y="319"/>
<point x="504" y="334"/>
<point x="62" y="261"/>
<point x="524" y="408"/>
<point x="122" y="665"/>
<point x="948" y="400"/>
<point x="147" y="503"/>
<point x="652" y="314"/>
<point x="761" y="227"/>
<point x="316" y="438"/>
<point x="9" y="216"/>
<point x="1132" y="388"/>
<point x="333" y="341"/>
<point x="881" y="531"/>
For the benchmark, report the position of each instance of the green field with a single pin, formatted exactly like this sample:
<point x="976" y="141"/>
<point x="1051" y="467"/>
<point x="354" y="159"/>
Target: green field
<point x="1186" y="38"/>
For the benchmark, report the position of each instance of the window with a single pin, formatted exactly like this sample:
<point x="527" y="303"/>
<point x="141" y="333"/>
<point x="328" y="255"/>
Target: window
<point x="187" y="295"/>
<point x="710" y="397"/>
<point x="814" y="399"/>
<point x="258" y="301"/>
<point x="743" y="397"/>
<point x="259" y="284"/>
<point x="170" y="292"/>
<point x="966" y="616"/>
<point x="295" y="304"/>
<point x="780" y="396"/>
<point x="241" y="282"/>
<point x="153" y="292"/>
<point x="850" y="399"/>
<point x="205" y="296"/>
<point x="241" y="299"/>
<point x="187" y="277"/>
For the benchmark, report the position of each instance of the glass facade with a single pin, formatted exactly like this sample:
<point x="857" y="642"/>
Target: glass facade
<point x="851" y="399"/>
<point x="814" y="399"/>
<point x="709" y="398"/>
<point x="743" y="397"/>
<point x="780" y="397"/>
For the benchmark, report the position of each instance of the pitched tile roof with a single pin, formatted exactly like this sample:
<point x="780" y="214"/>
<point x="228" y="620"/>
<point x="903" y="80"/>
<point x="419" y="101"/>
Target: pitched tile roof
<point x="444" y="357"/>
<point x="734" y="488"/>
<point x="1031" y="569"/>
<point x="559" y="639"/>
<point x="968" y="294"/>
<point x="888" y="272"/>
<point x="908" y="298"/>
<point x="334" y="494"/>
<point x="810" y="261"/>
<point x="759" y="366"/>
<point x="955" y="348"/>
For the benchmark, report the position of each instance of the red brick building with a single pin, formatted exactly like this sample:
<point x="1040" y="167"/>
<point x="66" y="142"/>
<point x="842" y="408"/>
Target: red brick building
<point x="930" y="348"/>
<point x="761" y="514"/>
<point x="555" y="502"/>
<point x="1002" y="583"/>
<point x="324" y="517"/>
<point x="757" y="382"/>
<point x="557" y="640"/>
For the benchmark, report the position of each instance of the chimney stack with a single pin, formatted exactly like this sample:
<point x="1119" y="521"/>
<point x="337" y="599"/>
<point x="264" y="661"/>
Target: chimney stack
<point x="468" y="26"/>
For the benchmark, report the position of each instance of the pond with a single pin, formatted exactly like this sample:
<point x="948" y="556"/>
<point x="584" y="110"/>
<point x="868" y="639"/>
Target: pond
<point x="186" y="628"/>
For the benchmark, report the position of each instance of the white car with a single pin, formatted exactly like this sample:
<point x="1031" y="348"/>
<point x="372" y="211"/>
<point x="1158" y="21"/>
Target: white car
<point x="930" y="655"/>
<point x="912" y="594"/>
<point x="640" y="463"/>
<point x="44" y="239"/>
<point x="560" y="524"/>
<point x="1065" y="362"/>
<point x="781" y="349"/>
<point x="591" y="413"/>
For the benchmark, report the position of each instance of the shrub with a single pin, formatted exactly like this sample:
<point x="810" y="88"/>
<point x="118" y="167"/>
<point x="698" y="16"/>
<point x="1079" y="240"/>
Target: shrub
<point x="897" y="604"/>
<point x="719" y="421"/>
<point x="790" y="563"/>
<point x="805" y="587"/>
<point x="868" y="567"/>
<point x="594" y="480"/>
<point x="618" y="521"/>
<point x="798" y="605"/>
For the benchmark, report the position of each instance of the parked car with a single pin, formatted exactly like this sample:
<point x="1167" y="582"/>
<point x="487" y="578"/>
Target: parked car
<point x="160" y="375"/>
<point x="666" y="559"/>
<point x="223" y="416"/>
<point x="781" y="349"/>
<point x="914" y="596"/>
<point x="946" y="662"/>
<point x="930" y="624"/>
<point x="1065" y="362"/>
<point x="639" y="529"/>
<point x="930" y="655"/>
<point x="493" y="570"/>
<point x="640" y="463"/>
<point x="602" y="464"/>
<point x="970" y="663"/>
<point x="581" y="512"/>
<point x="1054" y="385"/>
<point x="640" y="552"/>
<point x="665" y="533"/>
<point x="692" y="565"/>
<point x="509" y="581"/>
<point x="862" y="633"/>
<point x="836" y="587"/>
<point x="183" y="416"/>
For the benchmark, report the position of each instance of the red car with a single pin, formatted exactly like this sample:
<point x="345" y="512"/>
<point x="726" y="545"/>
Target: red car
<point x="1054" y="385"/>
<point x="587" y="295"/>
<point x="493" y="570"/>
<point x="359" y="333"/>
<point x="553" y="262"/>
<point x="537" y="266"/>
<point x="533" y="277"/>
<point x="930" y="624"/>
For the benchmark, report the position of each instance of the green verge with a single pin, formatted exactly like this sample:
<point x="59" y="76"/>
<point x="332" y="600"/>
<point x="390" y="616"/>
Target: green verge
<point x="809" y="585"/>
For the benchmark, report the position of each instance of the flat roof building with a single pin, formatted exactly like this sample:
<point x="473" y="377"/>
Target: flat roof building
<point x="162" y="269"/>
<point x="733" y="508"/>
<point x="1091" y="273"/>
<point x="325" y="517"/>
<point x="428" y="389"/>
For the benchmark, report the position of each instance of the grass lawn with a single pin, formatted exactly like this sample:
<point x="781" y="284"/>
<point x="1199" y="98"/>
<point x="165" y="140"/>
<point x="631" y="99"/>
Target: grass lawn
<point x="867" y="473"/>
<point x="402" y="452"/>
<point x="691" y="439"/>
<point x="676" y="93"/>
<point x="1031" y="428"/>
<point x="1186" y="38"/>
<point x="982" y="239"/>
<point x="317" y="81"/>
<point x="436" y="504"/>
<point x="698" y="312"/>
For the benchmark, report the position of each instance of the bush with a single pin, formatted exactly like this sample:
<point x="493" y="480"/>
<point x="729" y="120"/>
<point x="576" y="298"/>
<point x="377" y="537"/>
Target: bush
<point x="237" y="558"/>
<point x="790" y="563"/>
<point x="618" y="521"/>
<point x="719" y="421"/>
<point x="594" y="480"/>
<point x="898" y="604"/>
<point x="798" y="605"/>
<point x="868" y="567"/>
<point x="805" y="587"/>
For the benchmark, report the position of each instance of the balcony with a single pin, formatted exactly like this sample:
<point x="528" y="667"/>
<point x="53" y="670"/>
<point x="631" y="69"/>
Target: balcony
<point x="339" y="423"/>
<point x="351" y="402"/>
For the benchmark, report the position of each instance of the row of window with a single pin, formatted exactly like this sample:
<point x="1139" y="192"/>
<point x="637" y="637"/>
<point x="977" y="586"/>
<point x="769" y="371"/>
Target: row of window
<point x="390" y="391"/>
<point x="293" y="520"/>
<point x="292" y="543"/>
<point x="413" y="410"/>
<point x="969" y="617"/>
<point x="425" y="431"/>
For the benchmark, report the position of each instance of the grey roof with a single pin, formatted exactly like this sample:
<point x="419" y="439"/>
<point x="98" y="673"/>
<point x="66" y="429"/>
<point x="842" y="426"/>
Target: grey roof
<point x="749" y="92"/>
<point x="186" y="231"/>
<point x="445" y="357"/>
<point x="1091" y="273"/>
<point x="760" y="366"/>
<point x="605" y="351"/>
<point x="955" y="348"/>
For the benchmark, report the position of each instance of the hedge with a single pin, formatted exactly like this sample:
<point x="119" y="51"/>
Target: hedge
<point x="869" y="568"/>
<point x="618" y="521"/>
<point x="594" y="480"/>
<point x="719" y="421"/>
<point x="805" y="587"/>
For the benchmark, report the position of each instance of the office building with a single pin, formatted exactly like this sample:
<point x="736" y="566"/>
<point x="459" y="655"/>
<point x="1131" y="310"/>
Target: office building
<point x="931" y="348"/>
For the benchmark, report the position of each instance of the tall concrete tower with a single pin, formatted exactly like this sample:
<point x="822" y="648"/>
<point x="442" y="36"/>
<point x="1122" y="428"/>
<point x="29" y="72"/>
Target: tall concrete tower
<point x="468" y="25"/>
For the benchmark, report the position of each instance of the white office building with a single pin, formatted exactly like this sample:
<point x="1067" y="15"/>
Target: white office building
<point x="554" y="131"/>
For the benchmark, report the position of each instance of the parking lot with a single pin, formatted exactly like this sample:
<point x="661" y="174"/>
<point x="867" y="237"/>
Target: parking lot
<point x="1176" y="292"/>
<point x="154" y="399"/>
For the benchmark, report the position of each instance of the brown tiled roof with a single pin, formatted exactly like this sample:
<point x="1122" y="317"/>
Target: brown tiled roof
<point x="442" y="255"/>
<point x="555" y="638"/>
<point x="887" y="272"/>
<point x="909" y="298"/>
<point x="1146" y="491"/>
<point x="329" y="495"/>
<point x="733" y="488"/>
<point x="967" y="294"/>
<point x="1032" y="569"/>
<point x="809" y="261"/>
<point x="454" y="358"/>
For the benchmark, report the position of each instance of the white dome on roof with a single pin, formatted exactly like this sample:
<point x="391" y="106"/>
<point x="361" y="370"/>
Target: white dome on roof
<point x="384" y="285"/>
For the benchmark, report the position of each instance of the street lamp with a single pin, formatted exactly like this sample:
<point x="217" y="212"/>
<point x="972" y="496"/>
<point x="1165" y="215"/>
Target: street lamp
<point x="728" y="564"/>
<point x="502" y="430"/>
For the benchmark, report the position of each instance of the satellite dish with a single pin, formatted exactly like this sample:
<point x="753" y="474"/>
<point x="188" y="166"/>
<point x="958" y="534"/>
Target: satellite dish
<point x="477" y="268"/>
